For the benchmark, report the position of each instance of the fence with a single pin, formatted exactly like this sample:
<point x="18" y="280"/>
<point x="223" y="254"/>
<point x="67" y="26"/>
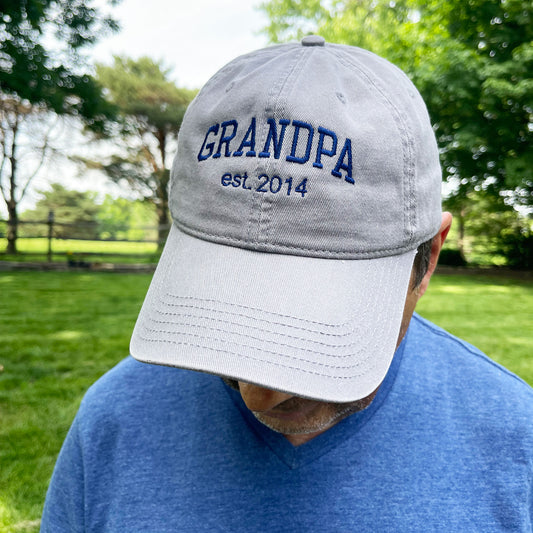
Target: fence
<point x="82" y="241"/>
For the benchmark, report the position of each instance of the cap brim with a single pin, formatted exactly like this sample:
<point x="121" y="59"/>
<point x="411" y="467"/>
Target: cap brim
<point x="316" y="328"/>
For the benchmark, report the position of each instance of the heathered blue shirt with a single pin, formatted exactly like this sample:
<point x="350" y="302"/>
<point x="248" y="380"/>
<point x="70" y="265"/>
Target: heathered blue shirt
<point x="447" y="445"/>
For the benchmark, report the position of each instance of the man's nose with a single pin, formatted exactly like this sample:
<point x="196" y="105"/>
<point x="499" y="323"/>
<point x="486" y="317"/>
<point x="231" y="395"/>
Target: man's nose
<point x="260" y="399"/>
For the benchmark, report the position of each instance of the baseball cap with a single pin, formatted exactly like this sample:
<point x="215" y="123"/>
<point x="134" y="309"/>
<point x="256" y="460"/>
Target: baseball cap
<point x="306" y="176"/>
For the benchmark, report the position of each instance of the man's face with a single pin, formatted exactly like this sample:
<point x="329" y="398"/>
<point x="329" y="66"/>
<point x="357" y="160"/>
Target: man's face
<point x="300" y="419"/>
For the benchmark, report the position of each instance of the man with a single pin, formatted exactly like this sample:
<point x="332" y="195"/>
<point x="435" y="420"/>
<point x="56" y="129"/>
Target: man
<point x="305" y="199"/>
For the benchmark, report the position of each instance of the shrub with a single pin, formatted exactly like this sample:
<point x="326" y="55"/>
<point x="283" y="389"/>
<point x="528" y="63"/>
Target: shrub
<point x="451" y="257"/>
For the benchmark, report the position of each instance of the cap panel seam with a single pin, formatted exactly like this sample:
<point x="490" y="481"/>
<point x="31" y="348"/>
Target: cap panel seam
<point x="302" y="57"/>
<point x="276" y="106"/>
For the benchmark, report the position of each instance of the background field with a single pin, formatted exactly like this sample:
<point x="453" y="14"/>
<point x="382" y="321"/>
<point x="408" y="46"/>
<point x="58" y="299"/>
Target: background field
<point x="60" y="331"/>
<point x="89" y="251"/>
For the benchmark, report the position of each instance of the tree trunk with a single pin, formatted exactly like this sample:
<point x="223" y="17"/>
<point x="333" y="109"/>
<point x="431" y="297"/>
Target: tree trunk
<point x="12" y="227"/>
<point x="162" y="208"/>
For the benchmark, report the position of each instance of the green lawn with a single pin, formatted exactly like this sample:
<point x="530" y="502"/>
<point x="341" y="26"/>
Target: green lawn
<point x="60" y="331"/>
<point x="90" y="251"/>
<point x="75" y="246"/>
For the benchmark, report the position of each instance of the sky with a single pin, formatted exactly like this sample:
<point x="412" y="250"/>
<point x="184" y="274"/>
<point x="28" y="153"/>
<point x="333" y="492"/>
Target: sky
<point x="193" y="38"/>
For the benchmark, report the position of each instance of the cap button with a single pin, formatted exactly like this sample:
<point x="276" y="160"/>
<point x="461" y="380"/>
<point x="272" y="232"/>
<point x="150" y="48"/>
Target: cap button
<point x="313" y="40"/>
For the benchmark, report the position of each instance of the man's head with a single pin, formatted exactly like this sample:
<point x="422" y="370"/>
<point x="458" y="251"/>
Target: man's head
<point x="307" y="175"/>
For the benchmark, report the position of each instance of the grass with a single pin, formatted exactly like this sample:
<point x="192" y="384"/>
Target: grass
<point x="60" y="331"/>
<point x="92" y="251"/>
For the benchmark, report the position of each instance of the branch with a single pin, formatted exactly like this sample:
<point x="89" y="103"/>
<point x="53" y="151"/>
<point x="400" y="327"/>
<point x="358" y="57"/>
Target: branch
<point x="4" y="157"/>
<point x="150" y="157"/>
<point x="44" y="152"/>
<point x="13" y="159"/>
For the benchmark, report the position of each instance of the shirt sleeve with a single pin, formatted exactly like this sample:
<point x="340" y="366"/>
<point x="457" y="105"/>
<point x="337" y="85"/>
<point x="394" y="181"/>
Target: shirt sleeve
<point x="64" y="508"/>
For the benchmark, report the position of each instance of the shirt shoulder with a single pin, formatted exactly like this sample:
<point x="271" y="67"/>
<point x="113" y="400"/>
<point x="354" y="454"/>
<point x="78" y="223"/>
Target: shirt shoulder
<point x="454" y="363"/>
<point x="142" y="395"/>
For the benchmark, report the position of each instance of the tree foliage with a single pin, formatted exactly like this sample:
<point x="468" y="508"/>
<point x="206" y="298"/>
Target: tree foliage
<point x="490" y="230"/>
<point x="74" y="213"/>
<point x="42" y="73"/>
<point x="41" y="59"/>
<point x="120" y="218"/>
<point x="82" y="215"/>
<point x="151" y="111"/>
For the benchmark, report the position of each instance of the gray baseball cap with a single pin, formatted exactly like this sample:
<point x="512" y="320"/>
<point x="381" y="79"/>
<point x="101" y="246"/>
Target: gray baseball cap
<point x="306" y="176"/>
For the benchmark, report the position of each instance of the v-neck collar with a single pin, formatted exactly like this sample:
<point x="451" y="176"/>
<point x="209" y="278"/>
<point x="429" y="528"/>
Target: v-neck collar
<point x="297" y="456"/>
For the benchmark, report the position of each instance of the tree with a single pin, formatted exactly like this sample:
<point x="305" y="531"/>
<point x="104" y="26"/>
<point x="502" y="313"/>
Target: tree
<point x="75" y="212"/>
<point x="21" y="161"/>
<point x="41" y="75"/>
<point x="120" y="218"/>
<point x="500" y="231"/>
<point x="151" y="109"/>
<point x="40" y="57"/>
<point x="473" y="63"/>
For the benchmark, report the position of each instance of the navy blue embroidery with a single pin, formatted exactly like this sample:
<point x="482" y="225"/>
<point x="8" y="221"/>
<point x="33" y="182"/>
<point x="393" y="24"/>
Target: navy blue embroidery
<point x="274" y="189"/>
<point x="262" y="185"/>
<point x="265" y="184"/>
<point x="300" y="150"/>
<point x="249" y="140"/>
<point x="235" y="180"/>
<point x="346" y="150"/>
<point x="273" y="136"/>
<point x="292" y="156"/>
<point x="226" y="139"/>
<point x="210" y="146"/>
<point x="322" y="132"/>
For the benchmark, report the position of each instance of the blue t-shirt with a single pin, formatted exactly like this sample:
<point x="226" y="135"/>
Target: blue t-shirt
<point x="447" y="445"/>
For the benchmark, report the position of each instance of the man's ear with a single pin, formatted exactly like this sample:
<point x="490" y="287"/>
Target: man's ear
<point x="436" y="246"/>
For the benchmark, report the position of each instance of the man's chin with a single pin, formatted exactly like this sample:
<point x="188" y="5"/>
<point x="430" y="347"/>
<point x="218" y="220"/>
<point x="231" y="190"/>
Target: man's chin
<point x="317" y="420"/>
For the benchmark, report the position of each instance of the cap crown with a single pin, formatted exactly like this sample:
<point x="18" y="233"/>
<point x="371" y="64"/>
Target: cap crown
<point x="321" y="150"/>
